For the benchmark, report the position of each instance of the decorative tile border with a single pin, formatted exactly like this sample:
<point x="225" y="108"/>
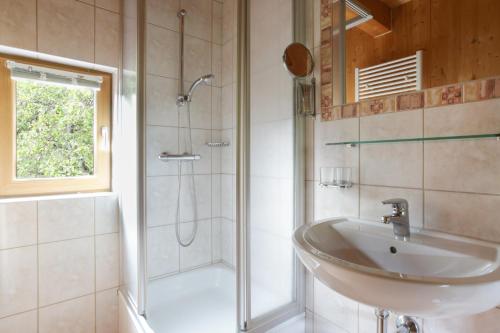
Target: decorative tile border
<point x="470" y="91"/>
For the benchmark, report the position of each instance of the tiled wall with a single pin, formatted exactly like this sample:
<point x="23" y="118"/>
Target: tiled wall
<point x="87" y="30"/>
<point x="59" y="264"/>
<point x="208" y="44"/>
<point x="451" y="186"/>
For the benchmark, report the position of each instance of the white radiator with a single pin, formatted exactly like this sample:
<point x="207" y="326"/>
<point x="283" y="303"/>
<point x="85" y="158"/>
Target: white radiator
<point x="389" y="78"/>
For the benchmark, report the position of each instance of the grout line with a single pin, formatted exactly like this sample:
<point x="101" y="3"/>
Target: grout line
<point x="423" y="168"/>
<point x="62" y="240"/>
<point x="56" y="303"/>
<point x="95" y="265"/>
<point x="37" y="269"/>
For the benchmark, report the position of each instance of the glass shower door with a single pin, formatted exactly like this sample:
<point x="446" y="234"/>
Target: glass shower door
<point x="270" y="262"/>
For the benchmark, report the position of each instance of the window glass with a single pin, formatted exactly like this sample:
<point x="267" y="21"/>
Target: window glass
<point x="54" y="130"/>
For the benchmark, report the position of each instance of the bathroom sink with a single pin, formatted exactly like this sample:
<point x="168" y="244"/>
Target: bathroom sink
<point x="429" y="275"/>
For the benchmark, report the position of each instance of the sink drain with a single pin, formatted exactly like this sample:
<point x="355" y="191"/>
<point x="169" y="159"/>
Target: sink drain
<point x="393" y="250"/>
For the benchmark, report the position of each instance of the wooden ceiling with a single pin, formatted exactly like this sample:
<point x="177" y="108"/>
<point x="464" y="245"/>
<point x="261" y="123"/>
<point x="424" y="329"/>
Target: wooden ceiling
<point x="394" y="3"/>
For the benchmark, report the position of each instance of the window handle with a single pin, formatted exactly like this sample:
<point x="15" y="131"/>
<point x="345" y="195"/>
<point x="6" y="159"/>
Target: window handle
<point x="105" y="137"/>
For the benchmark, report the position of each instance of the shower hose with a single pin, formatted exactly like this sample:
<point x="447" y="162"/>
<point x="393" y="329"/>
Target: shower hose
<point x="190" y="176"/>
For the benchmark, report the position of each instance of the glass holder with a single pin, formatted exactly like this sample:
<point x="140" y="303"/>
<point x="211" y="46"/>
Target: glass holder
<point x="336" y="177"/>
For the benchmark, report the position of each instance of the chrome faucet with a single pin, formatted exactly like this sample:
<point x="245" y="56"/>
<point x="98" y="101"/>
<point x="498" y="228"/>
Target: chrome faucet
<point x="398" y="218"/>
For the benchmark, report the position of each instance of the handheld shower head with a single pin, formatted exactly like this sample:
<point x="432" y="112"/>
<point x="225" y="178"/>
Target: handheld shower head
<point x="184" y="99"/>
<point x="205" y="79"/>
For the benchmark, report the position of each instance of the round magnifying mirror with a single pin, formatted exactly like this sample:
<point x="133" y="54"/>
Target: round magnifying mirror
<point x="298" y="60"/>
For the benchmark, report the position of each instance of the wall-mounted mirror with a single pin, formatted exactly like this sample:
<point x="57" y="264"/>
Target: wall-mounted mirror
<point x="376" y="48"/>
<point x="298" y="60"/>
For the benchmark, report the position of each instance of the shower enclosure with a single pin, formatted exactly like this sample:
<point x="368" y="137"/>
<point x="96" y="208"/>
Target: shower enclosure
<point x="220" y="165"/>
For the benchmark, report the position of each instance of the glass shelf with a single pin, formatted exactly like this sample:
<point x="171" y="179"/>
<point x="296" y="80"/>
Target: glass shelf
<point x="458" y="137"/>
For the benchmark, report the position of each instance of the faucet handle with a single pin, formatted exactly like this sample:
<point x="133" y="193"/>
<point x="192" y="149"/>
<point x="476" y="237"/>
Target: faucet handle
<point x="398" y="204"/>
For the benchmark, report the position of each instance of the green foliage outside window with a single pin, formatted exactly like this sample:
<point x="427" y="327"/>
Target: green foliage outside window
<point x="54" y="130"/>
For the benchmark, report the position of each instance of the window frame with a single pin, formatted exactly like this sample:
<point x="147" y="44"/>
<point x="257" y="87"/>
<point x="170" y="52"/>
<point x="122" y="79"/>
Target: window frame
<point x="100" y="181"/>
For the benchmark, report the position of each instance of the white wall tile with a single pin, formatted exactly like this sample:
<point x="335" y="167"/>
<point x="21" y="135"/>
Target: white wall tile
<point x="107" y="311"/>
<point x="76" y="315"/>
<point x="227" y="106"/>
<point x="216" y="108"/>
<point x="216" y="240"/>
<point x="272" y="149"/>
<point x="161" y="95"/>
<point x="162" y="57"/>
<point x="216" y="195"/>
<point x="18" y="224"/>
<point x="227" y="196"/>
<point x="371" y="207"/>
<point x="106" y="214"/>
<point x="65" y="219"/>
<point x="158" y="140"/>
<point x="271" y="207"/>
<point x="227" y="63"/>
<point x="268" y="39"/>
<point x="464" y="166"/>
<point x="161" y="200"/>
<point x="217" y="22"/>
<point x="331" y="202"/>
<point x="271" y="270"/>
<point x="200" y="251"/>
<point x="309" y="146"/>
<point x="18" y="280"/>
<point x="25" y="322"/>
<point x="408" y="124"/>
<point x="487" y="322"/>
<point x="107" y="37"/>
<point x="399" y="164"/>
<point x="228" y="13"/>
<point x="202" y="193"/>
<point x="66" y="270"/>
<point x="309" y="188"/>
<point x="463" y="119"/>
<point x="107" y="250"/>
<point x="266" y="86"/>
<point x="472" y="215"/>
<point x="321" y="325"/>
<point x="163" y="13"/>
<point x="163" y="251"/>
<point x="199" y="18"/>
<point x="197" y="56"/>
<point x="18" y="24"/>
<point x="66" y="28"/>
<point x="112" y="5"/>
<point x="336" y="308"/>
<point x="227" y="241"/>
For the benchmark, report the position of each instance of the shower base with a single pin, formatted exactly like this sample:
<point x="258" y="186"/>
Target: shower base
<point x="201" y="301"/>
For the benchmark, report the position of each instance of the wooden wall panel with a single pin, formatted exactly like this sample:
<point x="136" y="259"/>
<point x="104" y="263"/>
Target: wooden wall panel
<point x="465" y="40"/>
<point x="460" y="39"/>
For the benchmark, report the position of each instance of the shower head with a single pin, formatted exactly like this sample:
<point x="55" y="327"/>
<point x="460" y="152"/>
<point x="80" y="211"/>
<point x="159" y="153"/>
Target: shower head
<point x="205" y="79"/>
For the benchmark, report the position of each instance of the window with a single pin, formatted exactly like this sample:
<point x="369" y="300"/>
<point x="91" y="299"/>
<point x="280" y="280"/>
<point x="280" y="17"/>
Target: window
<point x="54" y="128"/>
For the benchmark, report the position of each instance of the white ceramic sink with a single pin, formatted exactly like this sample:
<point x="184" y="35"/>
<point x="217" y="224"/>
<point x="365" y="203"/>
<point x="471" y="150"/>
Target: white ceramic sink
<point x="430" y="275"/>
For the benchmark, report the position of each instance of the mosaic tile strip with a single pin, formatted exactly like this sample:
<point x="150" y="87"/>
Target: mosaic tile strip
<point x="446" y="95"/>
<point x="465" y="92"/>
<point x="410" y="101"/>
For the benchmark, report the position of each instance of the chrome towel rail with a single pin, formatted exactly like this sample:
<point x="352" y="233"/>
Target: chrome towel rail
<point x="166" y="157"/>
